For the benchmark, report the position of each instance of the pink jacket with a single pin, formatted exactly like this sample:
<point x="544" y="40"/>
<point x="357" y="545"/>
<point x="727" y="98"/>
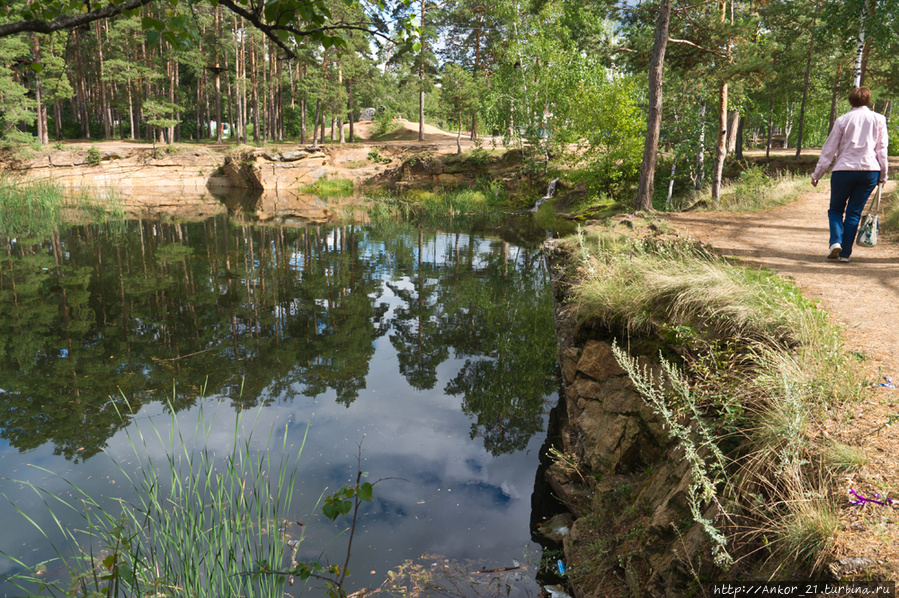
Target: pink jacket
<point x="858" y="141"/>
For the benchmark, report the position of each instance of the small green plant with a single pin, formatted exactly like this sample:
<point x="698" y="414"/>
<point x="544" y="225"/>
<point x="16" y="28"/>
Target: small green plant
<point x="58" y="146"/>
<point x="325" y="187"/>
<point x="93" y="155"/>
<point x="375" y="156"/>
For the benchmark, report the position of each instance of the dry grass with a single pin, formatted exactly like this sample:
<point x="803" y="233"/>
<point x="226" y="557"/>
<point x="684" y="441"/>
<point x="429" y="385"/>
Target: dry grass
<point x="786" y="370"/>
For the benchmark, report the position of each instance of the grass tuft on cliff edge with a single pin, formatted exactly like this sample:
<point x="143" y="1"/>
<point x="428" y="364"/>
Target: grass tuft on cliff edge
<point x="762" y="367"/>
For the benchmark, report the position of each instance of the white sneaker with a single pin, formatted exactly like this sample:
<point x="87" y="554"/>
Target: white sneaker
<point x="835" y="250"/>
<point x="845" y="259"/>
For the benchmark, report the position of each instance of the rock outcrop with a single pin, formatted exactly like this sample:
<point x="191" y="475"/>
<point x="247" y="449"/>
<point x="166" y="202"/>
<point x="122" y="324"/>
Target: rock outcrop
<point x="624" y="478"/>
<point x="192" y="182"/>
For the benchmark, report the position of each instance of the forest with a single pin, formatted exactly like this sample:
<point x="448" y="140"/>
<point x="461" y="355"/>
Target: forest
<point x="575" y="80"/>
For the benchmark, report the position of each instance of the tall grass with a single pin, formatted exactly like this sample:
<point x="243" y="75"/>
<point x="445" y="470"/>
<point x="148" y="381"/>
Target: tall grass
<point x="763" y="362"/>
<point x="201" y="525"/>
<point x="39" y="207"/>
<point x="752" y="191"/>
<point x="890" y="207"/>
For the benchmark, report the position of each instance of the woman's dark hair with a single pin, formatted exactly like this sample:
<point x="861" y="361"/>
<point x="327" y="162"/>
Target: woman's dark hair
<point x="860" y="96"/>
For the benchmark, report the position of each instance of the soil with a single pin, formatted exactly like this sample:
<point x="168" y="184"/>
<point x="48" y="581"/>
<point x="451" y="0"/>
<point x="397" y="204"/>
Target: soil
<point x="862" y="296"/>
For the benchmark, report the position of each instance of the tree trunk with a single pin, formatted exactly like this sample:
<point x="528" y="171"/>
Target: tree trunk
<point x="721" y="148"/>
<point x="219" y="126"/>
<point x="104" y="106"/>
<point x="315" y="122"/>
<point x="352" y="108"/>
<point x="172" y="67"/>
<point x="808" y="68"/>
<point x="733" y="119"/>
<point x="230" y="88"/>
<point x="421" y="78"/>
<point x="643" y="200"/>
<point x="770" y="128"/>
<point x="671" y="184"/>
<point x="57" y="124"/>
<point x="478" y="32"/>
<point x="43" y="136"/>
<point x="738" y="148"/>
<point x="303" y="109"/>
<point x="699" y="181"/>
<point x="341" y="110"/>
<point x="254" y="81"/>
<point x="858" y="74"/>
<point x="80" y="93"/>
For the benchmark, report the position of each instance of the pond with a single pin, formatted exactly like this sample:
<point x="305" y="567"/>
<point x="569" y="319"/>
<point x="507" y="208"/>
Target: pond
<point x="426" y="359"/>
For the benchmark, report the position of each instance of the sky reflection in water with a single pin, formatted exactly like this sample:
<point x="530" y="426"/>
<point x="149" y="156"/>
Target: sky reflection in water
<point x="434" y="351"/>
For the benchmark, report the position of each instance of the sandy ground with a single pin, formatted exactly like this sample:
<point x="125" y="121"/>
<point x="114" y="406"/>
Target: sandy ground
<point x="863" y="296"/>
<point x="442" y="141"/>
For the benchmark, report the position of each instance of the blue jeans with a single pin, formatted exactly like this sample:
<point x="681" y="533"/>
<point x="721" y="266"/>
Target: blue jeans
<point x="849" y="191"/>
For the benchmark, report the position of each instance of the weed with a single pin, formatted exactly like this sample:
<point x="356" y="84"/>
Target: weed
<point x="890" y="219"/>
<point x="842" y="458"/>
<point x="325" y="187"/>
<point x="375" y="156"/>
<point x="93" y="156"/>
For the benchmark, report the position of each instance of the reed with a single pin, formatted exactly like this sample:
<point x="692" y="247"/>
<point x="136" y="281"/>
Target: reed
<point x="200" y="525"/>
<point x="42" y="207"/>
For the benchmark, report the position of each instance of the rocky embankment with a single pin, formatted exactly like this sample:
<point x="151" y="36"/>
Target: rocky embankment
<point x="624" y="479"/>
<point x="198" y="181"/>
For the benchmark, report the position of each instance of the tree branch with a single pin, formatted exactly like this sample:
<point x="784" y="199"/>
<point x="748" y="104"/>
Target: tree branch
<point x="270" y="30"/>
<point x="698" y="47"/>
<point x="39" y="26"/>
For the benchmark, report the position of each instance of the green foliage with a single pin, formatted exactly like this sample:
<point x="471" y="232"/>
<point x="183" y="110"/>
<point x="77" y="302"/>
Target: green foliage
<point x="40" y="207"/>
<point x="606" y="123"/>
<point x="384" y="125"/>
<point x="93" y="155"/>
<point x="325" y="187"/>
<point x="375" y="156"/>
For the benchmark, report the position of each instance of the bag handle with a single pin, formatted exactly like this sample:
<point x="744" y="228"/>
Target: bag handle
<point x="876" y="208"/>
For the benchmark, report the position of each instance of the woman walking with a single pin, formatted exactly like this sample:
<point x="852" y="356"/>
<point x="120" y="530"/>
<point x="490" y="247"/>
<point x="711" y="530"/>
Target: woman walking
<point x="857" y="149"/>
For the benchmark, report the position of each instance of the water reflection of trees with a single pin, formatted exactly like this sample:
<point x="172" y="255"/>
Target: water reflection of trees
<point x="261" y="315"/>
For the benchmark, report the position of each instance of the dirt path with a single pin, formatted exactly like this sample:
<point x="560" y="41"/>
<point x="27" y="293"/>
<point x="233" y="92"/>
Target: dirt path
<point x="863" y="296"/>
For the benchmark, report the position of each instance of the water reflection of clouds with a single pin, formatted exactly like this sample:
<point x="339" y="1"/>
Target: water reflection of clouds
<point x="445" y="493"/>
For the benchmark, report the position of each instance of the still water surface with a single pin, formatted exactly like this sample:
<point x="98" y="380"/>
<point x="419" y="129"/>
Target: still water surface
<point x="434" y="351"/>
